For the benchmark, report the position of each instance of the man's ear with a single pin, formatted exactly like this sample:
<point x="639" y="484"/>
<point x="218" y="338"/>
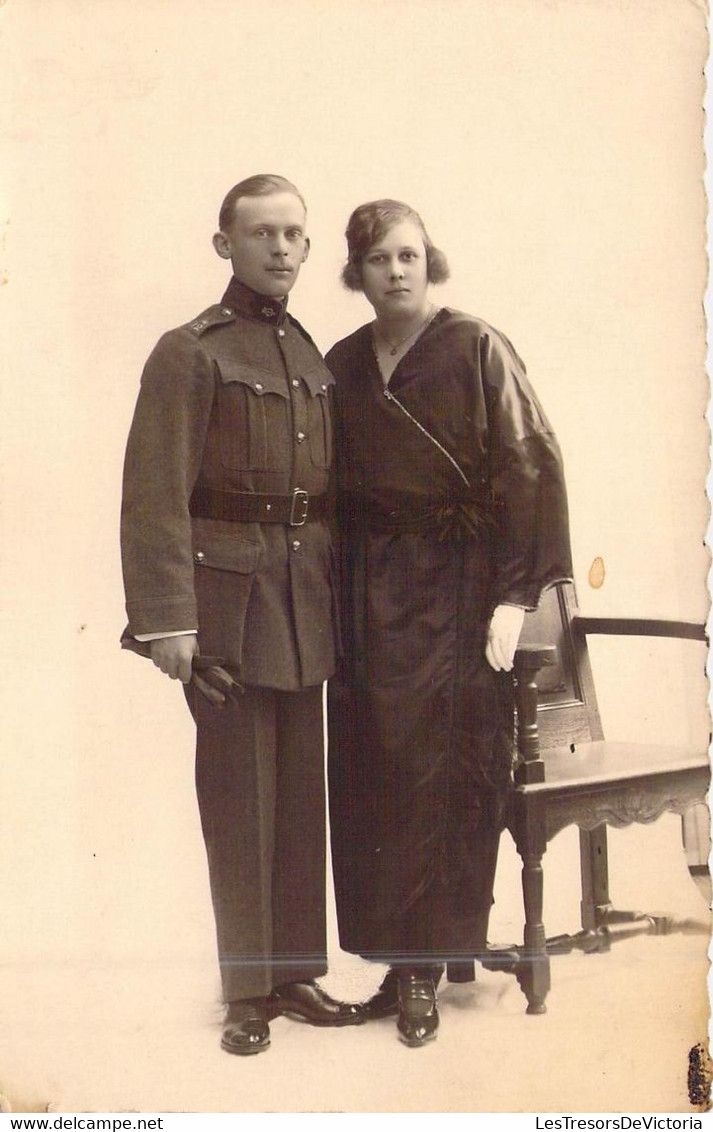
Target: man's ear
<point x="305" y="253"/>
<point x="221" y="243"/>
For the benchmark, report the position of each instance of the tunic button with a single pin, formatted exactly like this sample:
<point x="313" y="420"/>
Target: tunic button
<point x="296" y="544"/>
<point x="226" y="311"/>
<point x="199" y="557"/>
<point x="300" y="437"/>
<point x="295" y="383"/>
<point x="281" y="333"/>
<point x="324" y="387"/>
<point x="259" y="387"/>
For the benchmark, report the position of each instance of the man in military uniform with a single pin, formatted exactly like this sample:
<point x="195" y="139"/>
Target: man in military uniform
<point x="228" y="576"/>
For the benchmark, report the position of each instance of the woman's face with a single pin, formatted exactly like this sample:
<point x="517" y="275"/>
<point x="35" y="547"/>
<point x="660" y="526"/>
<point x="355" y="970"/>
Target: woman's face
<point x="394" y="272"/>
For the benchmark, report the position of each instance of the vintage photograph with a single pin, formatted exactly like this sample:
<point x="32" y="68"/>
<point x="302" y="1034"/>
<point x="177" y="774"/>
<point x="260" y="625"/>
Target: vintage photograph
<point x="355" y="579"/>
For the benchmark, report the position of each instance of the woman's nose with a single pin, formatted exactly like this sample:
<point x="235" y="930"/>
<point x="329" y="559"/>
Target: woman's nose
<point x="397" y="269"/>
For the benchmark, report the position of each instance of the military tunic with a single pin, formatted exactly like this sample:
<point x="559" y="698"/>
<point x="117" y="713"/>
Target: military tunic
<point x="238" y="400"/>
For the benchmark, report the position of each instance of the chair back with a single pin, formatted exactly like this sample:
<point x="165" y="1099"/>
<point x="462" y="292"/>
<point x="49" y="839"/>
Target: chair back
<point x="567" y="710"/>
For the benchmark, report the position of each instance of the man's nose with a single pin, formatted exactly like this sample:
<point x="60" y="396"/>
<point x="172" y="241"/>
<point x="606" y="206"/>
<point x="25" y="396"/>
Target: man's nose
<point x="280" y="246"/>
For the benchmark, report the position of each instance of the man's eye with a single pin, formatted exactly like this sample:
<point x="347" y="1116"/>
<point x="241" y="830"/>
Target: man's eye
<point x="294" y="234"/>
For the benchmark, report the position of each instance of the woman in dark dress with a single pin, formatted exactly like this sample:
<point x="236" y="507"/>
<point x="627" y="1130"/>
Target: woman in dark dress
<point x="453" y="519"/>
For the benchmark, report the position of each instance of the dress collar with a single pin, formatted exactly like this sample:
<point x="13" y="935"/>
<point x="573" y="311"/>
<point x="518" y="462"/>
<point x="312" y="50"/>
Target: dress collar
<point x="245" y="301"/>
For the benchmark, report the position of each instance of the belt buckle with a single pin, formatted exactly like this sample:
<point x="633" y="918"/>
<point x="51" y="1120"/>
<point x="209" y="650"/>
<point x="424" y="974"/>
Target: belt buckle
<point x="300" y="499"/>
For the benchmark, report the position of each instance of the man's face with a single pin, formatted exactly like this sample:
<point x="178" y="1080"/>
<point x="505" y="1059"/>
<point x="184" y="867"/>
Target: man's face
<point x="266" y="243"/>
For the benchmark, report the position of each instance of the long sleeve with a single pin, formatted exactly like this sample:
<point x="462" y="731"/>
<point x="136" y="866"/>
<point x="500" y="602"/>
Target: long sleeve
<point x="163" y="458"/>
<point x="532" y="548"/>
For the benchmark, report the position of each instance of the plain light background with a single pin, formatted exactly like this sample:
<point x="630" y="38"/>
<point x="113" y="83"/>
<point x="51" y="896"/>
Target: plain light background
<point x="555" y="153"/>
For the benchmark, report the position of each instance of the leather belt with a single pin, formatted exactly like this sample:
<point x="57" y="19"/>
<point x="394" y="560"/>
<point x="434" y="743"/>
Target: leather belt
<point x="294" y="510"/>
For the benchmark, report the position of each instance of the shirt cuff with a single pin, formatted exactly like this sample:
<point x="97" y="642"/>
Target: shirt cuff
<point x="161" y="636"/>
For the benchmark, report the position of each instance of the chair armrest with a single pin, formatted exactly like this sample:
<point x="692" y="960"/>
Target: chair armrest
<point x="639" y="627"/>
<point x="529" y="659"/>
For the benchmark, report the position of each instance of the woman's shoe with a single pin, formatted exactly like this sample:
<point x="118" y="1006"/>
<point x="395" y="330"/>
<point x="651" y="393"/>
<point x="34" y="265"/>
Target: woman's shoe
<point x="386" y="1000"/>
<point x="417" y="1022"/>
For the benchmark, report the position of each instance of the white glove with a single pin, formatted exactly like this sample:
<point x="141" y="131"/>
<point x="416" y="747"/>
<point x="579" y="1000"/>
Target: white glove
<point x="503" y="634"/>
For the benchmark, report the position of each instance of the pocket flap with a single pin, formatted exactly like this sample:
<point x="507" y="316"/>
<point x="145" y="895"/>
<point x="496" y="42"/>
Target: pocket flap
<point x="224" y="552"/>
<point x="260" y="381"/>
<point x="318" y="380"/>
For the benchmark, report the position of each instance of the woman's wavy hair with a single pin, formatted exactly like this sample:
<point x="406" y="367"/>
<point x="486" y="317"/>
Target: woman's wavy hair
<point x="368" y="223"/>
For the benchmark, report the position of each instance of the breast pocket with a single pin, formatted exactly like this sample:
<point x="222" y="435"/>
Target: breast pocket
<point x="251" y="403"/>
<point x="319" y="417"/>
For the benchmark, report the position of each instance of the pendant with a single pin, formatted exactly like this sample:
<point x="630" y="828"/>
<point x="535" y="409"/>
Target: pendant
<point x="394" y="351"/>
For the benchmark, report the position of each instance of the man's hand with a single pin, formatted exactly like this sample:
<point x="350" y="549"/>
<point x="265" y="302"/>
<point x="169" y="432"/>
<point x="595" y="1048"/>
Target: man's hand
<point x="174" y="655"/>
<point x="503" y="635"/>
<point x="214" y="681"/>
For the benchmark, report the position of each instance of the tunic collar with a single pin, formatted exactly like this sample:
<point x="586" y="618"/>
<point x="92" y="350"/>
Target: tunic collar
<point x="245" y="301"/>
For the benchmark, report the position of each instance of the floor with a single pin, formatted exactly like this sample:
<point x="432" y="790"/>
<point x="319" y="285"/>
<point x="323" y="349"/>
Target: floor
<point x="103" y="1035"/>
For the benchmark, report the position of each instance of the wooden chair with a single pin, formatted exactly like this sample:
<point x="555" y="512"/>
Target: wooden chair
<point x="568" y="774"/>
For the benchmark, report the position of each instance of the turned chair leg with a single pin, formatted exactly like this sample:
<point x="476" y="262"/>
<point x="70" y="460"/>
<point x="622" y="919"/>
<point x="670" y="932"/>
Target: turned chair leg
<point x="533" y="972"/>
<point x="529" y="825"/>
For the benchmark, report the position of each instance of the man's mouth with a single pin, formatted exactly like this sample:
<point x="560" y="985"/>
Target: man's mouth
<point x="280" y="270"/>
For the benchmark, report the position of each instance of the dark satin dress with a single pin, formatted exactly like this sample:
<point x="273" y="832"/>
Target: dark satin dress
<point x="452" y="501"/>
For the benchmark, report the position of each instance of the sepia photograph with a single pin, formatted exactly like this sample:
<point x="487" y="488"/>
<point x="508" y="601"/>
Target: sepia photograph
<point x="354" y="585"/>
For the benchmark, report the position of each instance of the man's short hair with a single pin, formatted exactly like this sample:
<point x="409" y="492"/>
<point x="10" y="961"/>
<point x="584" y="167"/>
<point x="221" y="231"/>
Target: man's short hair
<point x="262" y="184"/>
<point x="368" y="223"/>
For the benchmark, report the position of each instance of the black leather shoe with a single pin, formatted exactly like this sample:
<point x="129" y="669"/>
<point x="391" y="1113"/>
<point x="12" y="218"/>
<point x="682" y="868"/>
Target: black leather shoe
<point x="309" y="1003"/>
<point x="386" y="1000"/>
<point x="417" y="1022"/>
<point x="246" y="1029"/>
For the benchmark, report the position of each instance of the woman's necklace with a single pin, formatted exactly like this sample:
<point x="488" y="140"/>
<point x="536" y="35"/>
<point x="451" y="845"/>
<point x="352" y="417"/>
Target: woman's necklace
<point x="394" y="347"/>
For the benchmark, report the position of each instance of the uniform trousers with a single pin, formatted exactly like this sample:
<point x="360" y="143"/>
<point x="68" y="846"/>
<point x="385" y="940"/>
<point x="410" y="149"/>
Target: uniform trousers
<point x="261" y="796"/>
